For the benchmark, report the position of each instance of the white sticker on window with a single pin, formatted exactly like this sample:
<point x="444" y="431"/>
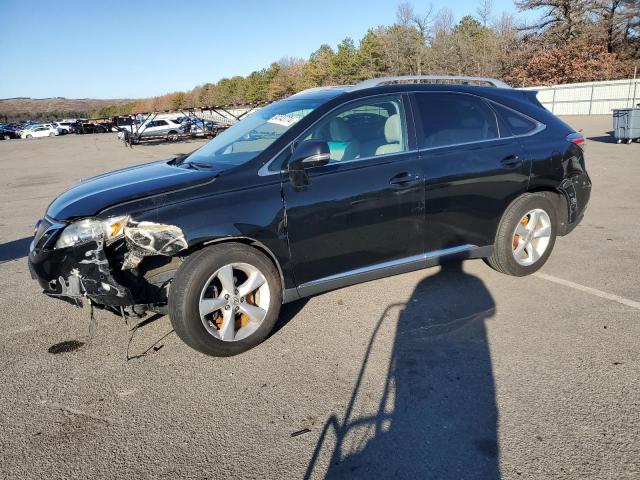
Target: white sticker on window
<point x="284" y="120"/>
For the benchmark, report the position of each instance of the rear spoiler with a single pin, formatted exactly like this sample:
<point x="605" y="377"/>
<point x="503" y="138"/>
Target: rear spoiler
<point x="532" y="96"/>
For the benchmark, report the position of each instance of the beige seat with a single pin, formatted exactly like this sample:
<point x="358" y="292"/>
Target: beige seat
<point x="342" y="144"/>
<point x="392" y="135"/>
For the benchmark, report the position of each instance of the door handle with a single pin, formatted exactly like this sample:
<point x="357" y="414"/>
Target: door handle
<point x="404" y="179"/>
<point x="511" y="161"/>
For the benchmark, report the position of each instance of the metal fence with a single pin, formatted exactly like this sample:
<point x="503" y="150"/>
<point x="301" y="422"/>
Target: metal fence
<point x="589" y="98"/>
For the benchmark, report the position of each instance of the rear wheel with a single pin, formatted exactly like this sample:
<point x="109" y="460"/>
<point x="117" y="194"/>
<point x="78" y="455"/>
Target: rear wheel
<point x="52" y="134"/>
<point x="225" y="299"/>
<point x="526" y="236"/>
<point x="29" y="137"/>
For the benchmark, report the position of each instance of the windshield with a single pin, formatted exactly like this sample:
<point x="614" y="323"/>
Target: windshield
<point x="247" y="138"/>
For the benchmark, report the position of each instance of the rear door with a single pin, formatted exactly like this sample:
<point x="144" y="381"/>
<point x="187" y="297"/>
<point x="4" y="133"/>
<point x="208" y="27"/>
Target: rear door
<point x="473" y="168"/>
<point x="364" y="210"/>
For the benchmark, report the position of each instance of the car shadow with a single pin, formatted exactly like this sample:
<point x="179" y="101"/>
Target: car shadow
<point x="288" y="312"/>
<point x="608" y="138"/>
<point x="436" y="416"/>
<point x="14" y="249"/>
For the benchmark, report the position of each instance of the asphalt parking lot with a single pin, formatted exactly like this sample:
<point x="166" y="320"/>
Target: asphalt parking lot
<point x="445" y="373"/>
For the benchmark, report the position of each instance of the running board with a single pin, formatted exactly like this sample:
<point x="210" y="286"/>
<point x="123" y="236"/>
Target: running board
<point x="390" y="268"/>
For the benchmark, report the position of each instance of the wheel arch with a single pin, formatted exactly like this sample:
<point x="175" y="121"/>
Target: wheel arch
<point x="251" y="242"/>
<point x="560" y="200"/>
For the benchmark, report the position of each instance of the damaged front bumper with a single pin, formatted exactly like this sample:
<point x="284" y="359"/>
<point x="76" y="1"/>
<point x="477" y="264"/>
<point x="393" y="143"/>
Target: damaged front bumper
<point x="78" y="272"/>
<point x="112" y="275"/>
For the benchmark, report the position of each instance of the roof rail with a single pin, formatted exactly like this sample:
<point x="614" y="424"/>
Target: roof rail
<point x="374" y="82"/>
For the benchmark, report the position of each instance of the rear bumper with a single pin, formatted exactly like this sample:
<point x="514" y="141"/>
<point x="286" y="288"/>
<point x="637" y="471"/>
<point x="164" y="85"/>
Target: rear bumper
<point x="577" y="192"/>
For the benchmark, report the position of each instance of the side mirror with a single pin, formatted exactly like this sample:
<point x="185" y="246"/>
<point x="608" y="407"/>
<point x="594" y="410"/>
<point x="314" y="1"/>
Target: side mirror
<point x="310" y="153"/>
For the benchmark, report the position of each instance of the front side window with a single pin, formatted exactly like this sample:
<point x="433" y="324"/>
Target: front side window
<point x="452" y="119"/>
<point x="366" y="129"/>
<point x="249" y="137"/>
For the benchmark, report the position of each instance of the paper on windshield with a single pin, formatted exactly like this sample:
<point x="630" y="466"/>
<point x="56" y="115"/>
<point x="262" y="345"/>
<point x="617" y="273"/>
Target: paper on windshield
<point x="284" y="120"/>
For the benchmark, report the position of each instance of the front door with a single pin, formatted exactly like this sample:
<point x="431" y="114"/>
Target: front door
<point x="363" y="211"/>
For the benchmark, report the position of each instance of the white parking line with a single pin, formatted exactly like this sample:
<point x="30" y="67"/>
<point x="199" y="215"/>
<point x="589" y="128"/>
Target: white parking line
<point x="589" y="290"/>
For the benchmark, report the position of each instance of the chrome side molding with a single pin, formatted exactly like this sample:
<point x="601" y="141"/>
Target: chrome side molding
<point x="390" y="268"/>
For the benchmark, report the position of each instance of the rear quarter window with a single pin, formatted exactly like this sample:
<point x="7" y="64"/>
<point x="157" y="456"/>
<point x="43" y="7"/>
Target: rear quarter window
<point x="517" y="123"/>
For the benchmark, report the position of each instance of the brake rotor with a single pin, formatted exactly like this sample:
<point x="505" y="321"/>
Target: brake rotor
<point x="516" y="238"/>
<point x="243" y="319"/>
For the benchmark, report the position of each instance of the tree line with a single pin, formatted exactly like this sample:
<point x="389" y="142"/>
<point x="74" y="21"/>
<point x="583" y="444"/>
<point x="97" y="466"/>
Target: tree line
<point x="573" y="41"/>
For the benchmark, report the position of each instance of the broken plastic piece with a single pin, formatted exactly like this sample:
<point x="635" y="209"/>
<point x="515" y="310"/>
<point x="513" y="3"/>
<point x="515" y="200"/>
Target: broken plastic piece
<point x="92" y="322"/>
<point x="149" y="238"/>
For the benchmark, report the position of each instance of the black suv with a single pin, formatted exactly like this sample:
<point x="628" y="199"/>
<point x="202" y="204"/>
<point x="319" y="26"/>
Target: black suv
<point x="328" y="188"/>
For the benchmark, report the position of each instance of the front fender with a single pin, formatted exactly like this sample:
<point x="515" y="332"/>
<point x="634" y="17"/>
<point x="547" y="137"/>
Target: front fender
<point x="252" y="215"/>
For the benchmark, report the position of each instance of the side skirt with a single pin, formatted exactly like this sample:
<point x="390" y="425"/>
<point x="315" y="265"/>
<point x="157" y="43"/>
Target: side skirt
<point x="387" y="269"/>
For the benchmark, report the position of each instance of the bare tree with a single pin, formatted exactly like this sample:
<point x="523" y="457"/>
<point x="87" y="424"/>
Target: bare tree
<point x="407" y="17"/>
<point x="484" y="11"/>
<point x="443" y="22"/>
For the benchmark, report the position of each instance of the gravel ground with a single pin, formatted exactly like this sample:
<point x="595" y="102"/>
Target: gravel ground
<point x="444" y="373"/>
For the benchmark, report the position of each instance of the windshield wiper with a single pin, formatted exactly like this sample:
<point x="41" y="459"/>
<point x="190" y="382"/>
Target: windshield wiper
<point x="200" y="165"/>
<point x="179" y="159"/>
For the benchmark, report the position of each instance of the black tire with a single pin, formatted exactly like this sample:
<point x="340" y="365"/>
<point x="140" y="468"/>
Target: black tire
<point x="29" y="137"/>
<point x="190" y="279"/>
<point x="502" y="259"/>
<point x="172" y="136"/>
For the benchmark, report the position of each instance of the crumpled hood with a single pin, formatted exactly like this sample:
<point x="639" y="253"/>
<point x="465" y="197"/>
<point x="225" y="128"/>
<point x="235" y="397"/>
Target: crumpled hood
<point x="92" y="195"/>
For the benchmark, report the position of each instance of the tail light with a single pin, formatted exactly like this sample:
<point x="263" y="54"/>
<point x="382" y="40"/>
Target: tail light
<point x="576" y="138"/>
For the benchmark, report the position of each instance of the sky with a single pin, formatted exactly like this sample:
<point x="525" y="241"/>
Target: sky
<point x="143" y="48"/>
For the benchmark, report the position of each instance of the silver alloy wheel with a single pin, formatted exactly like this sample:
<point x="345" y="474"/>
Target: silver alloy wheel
<point x="234" y="301"/>
<point x="531" y="237"/>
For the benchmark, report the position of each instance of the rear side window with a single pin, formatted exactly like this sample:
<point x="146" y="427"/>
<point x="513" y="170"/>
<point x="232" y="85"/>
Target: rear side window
<point x="519" y="124"/>
<point x="452" y="119"/>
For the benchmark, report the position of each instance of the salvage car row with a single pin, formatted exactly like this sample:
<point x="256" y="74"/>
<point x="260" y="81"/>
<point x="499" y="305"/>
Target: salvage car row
<point x="169" y="128"/>
<point x="29" y="130"/>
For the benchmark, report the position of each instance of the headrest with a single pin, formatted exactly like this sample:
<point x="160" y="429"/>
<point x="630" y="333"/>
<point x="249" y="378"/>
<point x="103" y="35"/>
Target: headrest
<point x="393" y="129"/>
<point x="339" y="130"/>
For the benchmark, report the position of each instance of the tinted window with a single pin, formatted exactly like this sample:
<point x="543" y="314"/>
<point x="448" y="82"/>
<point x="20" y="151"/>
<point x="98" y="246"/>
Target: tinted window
<point x="161" y="123"/>
<point x="518" y="124"/>
<point x="367" y="129"/>
<point x="450" y="119"/>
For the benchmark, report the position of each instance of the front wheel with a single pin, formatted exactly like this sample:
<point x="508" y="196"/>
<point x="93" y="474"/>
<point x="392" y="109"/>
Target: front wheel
<point x="172" y="136"/>
<point x="526" y="236"/>
<point x="225" y="299"/>
<point x="52" y="134"/>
